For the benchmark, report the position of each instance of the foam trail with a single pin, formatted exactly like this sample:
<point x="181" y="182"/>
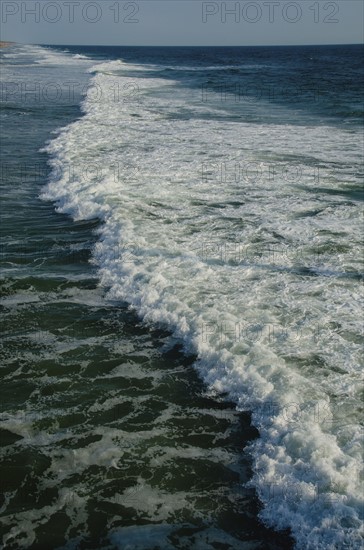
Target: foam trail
<point x="231" y="268"/>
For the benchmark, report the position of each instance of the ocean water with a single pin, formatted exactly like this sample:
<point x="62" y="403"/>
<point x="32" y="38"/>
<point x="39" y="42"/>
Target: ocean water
<point x="182" y="298"/>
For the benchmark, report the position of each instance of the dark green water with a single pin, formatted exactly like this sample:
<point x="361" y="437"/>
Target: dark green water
<point x="108" y="437"/>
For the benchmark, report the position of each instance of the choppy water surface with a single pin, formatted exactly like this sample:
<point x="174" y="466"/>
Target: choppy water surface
<point x="184" y="355"/>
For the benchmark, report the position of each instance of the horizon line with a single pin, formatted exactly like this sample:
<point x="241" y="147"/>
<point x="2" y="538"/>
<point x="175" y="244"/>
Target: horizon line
<point x="185" y="45"/>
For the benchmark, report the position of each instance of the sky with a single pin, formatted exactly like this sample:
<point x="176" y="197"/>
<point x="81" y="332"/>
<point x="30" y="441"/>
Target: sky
<point x="183" y="22"/>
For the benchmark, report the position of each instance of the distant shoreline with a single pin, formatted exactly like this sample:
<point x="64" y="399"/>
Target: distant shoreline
<point x="6" y="44"/>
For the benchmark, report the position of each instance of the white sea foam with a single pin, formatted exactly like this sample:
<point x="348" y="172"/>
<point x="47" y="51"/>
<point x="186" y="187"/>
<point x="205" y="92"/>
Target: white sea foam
<point x="46" y="56"/>
<point x="255" y="274"/>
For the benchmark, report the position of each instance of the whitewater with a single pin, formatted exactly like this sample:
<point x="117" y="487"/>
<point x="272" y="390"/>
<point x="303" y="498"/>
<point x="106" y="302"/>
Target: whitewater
<point x="227" y="233"/>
